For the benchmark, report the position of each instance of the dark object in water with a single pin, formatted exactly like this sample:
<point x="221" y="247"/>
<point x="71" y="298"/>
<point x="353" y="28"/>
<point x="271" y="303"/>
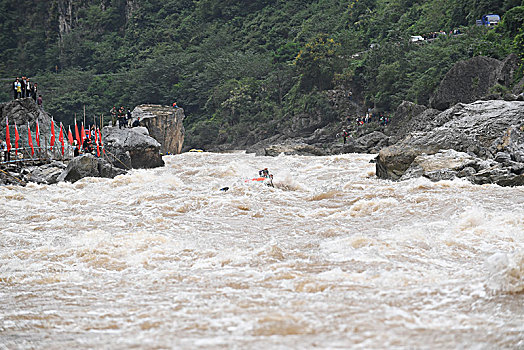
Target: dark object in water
<point x="224" y="189"/>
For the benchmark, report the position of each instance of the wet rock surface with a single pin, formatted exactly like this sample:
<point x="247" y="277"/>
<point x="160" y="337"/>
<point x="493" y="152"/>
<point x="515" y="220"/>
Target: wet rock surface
<point x="487" y="134"/>
<point x="130" y="149"/>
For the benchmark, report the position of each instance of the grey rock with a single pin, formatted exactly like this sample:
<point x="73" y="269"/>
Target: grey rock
<point x="141" y="130"/>
<point x="46" y="174"/>
<point x="502" y="157"/>
<point x="371" y="143"/>
<point x="294" y="149"/>
<point x="518" y="89"/>
<point x="165" y="124"/>
<point x="128" y="149"/>
<point x="443" y="165"/>
<point x="450" y="164"/>
<point x="468" y="81"/>
<point x="88" y="166"/>
<point x="480" y="129"/>
<point x="511" y="142"/>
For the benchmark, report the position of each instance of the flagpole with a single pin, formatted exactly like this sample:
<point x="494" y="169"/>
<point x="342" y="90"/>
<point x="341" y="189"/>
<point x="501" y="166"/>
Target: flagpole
<point x="84" y="115"/>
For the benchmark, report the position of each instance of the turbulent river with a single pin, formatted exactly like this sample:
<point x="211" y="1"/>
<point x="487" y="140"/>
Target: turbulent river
<point x="329" y="258"/>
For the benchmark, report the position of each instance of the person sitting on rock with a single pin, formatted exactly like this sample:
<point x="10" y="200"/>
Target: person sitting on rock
<point x="88" y="147"/>
<point x="136" y="123"/>
<point x="76" y="151"/>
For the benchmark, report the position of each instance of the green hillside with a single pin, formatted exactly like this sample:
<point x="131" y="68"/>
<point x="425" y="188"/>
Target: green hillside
<point x="241" y="69"/>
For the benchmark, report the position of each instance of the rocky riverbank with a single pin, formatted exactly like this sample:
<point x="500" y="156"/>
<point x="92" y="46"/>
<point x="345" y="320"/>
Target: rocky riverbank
<point x="124" y="149"/>
<point x="479" y="138"/>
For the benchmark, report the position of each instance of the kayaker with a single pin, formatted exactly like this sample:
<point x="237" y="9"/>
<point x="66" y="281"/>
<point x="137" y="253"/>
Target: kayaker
<point x="264" y="173"/>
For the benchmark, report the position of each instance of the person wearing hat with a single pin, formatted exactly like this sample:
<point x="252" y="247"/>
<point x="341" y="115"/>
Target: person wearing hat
<point x="264" y="172"/>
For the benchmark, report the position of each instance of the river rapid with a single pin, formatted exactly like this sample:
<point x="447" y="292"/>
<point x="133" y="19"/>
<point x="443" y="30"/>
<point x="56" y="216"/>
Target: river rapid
<point x="330" y="258"/>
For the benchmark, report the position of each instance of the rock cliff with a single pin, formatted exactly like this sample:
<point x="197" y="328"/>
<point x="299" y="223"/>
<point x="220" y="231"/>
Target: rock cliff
<point x="165" y="124"/>
<point x="471" y="80"/>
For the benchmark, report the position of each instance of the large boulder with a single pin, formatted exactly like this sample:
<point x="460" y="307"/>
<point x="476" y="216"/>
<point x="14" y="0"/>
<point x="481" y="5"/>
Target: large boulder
<point x="46" y="174"/>
<point x="127" y="148"/>
<point x="164" y="124"/>
<point x="482" y="129"/>
<point x="469" y="81"/>
<point x="450" y="164"/>
<point x="370" y="143"/>
<point x="88" y="166"/>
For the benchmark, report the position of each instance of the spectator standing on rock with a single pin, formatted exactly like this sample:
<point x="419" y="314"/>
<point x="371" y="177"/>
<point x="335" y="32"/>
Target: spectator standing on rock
<point x="121" y="117"/>
<point x="121" y="121"/>
<point x="28" y="88"/>
<point x="23" y="86"/>
<point x="128" y="118"/>
<point x="175" y="105"/>
<point x="113" y="116"/>
<point x="17" y="88"/>
<point x="34" y="91"/>
<point x="39" y="101"/>
<point x="136" y="123"/>
<point x="345" y="135"/>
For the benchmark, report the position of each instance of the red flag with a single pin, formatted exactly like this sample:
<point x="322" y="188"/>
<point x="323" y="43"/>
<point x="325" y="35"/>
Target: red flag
<point x="100" y="139"/>
<point x="52" y="143"/>
<point x="7" y="137"/>
<point x="77" y="135"/>
<point x="61" y="138"/>
<point x="17" y="137"/>
<point x="70" y="136"/>
<point x="30" y="139"/>
<point x="37" y="135"/>
<point x="82" y="134"/>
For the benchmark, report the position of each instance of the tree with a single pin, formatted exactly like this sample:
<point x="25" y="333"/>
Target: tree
<point x="316" y="62"/>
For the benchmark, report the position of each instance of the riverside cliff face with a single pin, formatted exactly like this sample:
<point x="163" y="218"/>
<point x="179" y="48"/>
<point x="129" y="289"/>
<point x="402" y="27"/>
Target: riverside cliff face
<point x="165" y="124"/>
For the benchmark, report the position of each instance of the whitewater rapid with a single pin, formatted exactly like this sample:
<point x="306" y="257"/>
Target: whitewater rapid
<point x="332" y="257"/>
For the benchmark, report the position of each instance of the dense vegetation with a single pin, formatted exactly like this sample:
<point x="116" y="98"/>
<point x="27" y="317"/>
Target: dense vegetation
<point x="241" y="69"/>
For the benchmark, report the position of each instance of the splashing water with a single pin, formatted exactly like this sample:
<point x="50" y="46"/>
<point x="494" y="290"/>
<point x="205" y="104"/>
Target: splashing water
<point x="331" y="257"/>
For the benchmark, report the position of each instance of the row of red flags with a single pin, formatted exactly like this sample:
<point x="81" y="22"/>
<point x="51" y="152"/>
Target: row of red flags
<point x="79" y="137"/>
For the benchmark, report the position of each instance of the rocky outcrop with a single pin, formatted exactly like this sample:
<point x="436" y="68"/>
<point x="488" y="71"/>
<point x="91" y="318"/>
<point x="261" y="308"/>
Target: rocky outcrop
<point x="88" y="166"/>
<point x="486" y="130"/>
<point x="127" y="148"/>
<point x="46" y="174"/>
<point x="470" y="80"/>
<point x="518" y="89"/>
<point x="293" y="148"/>
<point x="164" y="124"/>
<point x="450" y="164"/>
<point x="24" y="111"/>
<point x="409" y="118"/>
